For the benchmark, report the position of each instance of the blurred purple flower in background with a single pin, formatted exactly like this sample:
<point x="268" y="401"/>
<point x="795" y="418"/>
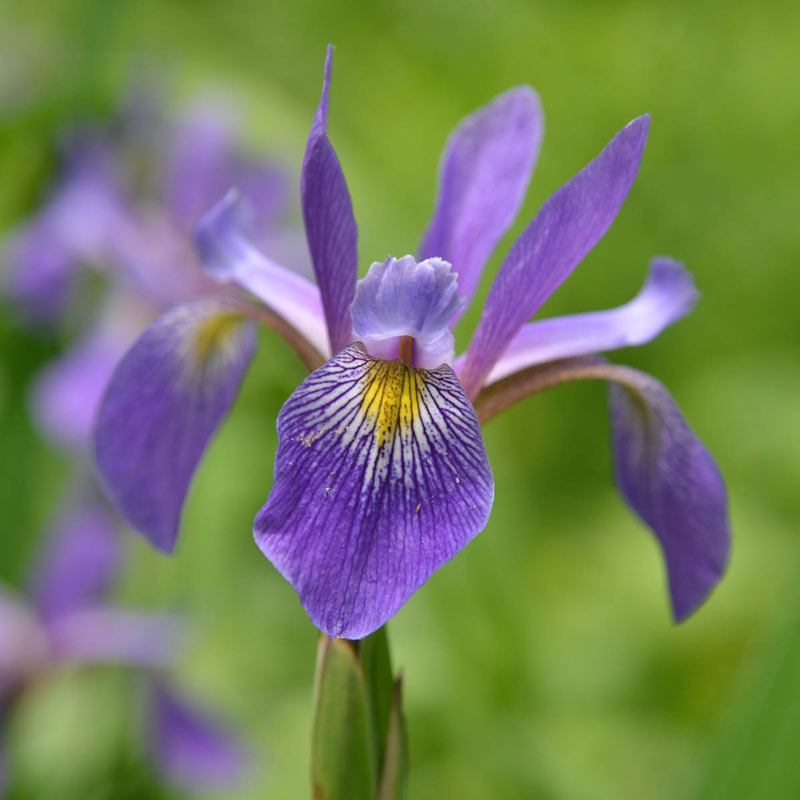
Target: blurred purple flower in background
<point x="140" y="241"/>
<point x="381" y="474"/>
<point x="67" y="623"/>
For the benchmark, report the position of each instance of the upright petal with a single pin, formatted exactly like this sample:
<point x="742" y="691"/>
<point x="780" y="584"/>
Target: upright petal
<point x="228" y="255"/>
<point x="165" y="400"/>
<point x="381" y="477"/>
<point x="194" y="752"/>
<point x="330" y="225"/>
<point x="672" y="482"/>
<point x="566" y="228"/>
<point x="77" y="563"/>
<point x="483" y="177"/>
<point x="667" y="295"/>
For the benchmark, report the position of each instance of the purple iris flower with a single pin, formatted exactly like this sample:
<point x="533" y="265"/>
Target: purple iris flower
<point x="67" y="623"/>
<point x="381" y="475"/>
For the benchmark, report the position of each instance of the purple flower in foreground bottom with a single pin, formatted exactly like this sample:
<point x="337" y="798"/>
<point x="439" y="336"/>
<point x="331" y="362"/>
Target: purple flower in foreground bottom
<point x="381" y="475"/>
<point x="68" y="624"/>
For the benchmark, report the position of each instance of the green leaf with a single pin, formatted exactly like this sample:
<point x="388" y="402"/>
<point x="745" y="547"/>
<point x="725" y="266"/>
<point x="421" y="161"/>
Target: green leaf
<point x="394" y="775"/>
<point x="374" y="655"/>
<point x="343" y="765"/>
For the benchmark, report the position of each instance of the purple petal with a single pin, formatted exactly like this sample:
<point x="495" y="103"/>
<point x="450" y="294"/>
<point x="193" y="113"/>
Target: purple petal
<point x="193" y="751"/>
<point x="330" y="226"/>
<point x="165" y="400"/>
<point x="566" y="228"/>
<point x="483" y="176"/>
<point x="116" y="636"/>
<point x="381" y="477"/>
<point x="24" y="647"/>
<point x="672" y="482"/>
<point x="67" y="391"/>
<point x="221" y="241"/>
<point x="77" y="563"/>
<point x="667" y="295"/>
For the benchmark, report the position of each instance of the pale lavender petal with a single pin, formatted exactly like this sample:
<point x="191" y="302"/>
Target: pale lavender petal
<point x="116" y="636"/>
<point x="400" y="297"/>
<point x="228" y="255"/>
<point x="566" y="228"/>
<point x="330" y="225"/>
<point x="193" y="751"/>
<point x="165" y="400"/>
<point x="672" y="482"/>
<point x="24" y="647"/>
<point x="381" y="477"/>
<point x="66" y="393"/>
<point x="668" y="294"/>
<point x="483" y="177"/>
<point x="77" y="563"/>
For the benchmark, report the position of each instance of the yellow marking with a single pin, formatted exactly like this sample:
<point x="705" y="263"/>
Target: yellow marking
<point x="214" y="333"/>
<point x="419" y="506"/>
<point x="391" y="397"/>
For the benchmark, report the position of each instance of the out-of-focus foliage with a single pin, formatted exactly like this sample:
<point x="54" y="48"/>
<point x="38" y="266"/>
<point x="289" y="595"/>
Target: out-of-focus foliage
<point x="541" y="663"/>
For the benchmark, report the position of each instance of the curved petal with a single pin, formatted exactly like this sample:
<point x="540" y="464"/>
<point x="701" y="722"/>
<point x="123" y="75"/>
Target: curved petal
<point x="483" y="177"/>
<point x="381" y="477"/>
<point x="228" y="255"/>
<point x="116" y="636"/>
<point x="165" y="400"/>
<point x="663" y="470"/>
<point x="67" y="391"/>
<point x="673" y="483"/>
<point x="566" y="228"/>
<point x="193" y="751"/>
<point x="330" y="225"/>
<point x="78" y="562"/>
<point x="668" y="295"/>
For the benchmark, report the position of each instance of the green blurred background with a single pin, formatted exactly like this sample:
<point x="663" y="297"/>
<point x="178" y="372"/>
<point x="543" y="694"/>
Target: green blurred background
<point x="542" y="662"/>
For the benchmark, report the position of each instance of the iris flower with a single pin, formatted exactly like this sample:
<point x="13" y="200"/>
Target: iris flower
<point x="67" y="624"/>
<point x="381" y="474"/>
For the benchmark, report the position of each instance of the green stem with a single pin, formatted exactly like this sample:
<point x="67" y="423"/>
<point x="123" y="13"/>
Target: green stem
<point x="358" y="740"/>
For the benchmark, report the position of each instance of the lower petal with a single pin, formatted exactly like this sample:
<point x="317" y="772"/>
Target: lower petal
<point x="381" y="477"/>
<point x="673" y="483"/>
<point x="164" y="402"/>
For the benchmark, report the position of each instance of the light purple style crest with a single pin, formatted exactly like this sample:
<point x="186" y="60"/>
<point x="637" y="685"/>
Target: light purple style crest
<point x="381" y="474"/>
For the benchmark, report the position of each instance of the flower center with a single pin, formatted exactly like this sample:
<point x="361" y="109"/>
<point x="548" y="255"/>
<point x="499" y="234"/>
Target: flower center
<point x="403" y="309"/>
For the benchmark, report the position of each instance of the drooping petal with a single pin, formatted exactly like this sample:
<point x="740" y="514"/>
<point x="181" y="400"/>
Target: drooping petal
<point x="668" y="295"/>
<point x="330" y="225"/>
<point x="400" y="297"/>
<point x="381" y="477"/>
<point x="228" y="255"/>
<point x="566" y="228"/>
<point x="116" y="636"/>
<point x="66" y="393"/>
<point x="77" y="563"/>
<point x="483" y="177"/>
<point x="673" y="483"/>
<point x="663" y="470"/>
<point x="165" y="400"/>
<point x="193" y="751"/>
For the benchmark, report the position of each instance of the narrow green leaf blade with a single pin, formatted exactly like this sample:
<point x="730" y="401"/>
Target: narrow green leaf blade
<point x="394" y="775"/>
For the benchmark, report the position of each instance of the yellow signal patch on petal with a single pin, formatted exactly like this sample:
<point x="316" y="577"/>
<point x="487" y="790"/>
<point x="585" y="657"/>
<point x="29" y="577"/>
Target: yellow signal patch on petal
<point x="391" y="397"/>
<point x="214" y="333"/>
